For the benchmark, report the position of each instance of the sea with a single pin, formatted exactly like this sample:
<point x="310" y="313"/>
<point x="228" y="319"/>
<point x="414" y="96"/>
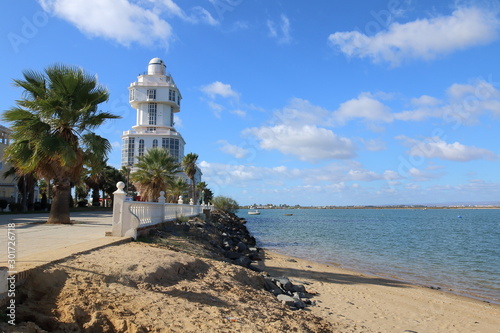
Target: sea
<point x="456" y="250"/>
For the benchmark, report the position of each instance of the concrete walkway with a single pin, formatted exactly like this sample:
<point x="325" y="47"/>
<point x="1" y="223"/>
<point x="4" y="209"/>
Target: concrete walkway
<point x="37" y="244"/>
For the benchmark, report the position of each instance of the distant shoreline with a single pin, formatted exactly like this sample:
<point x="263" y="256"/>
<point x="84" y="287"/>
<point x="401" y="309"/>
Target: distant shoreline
<point x="379" y="207"/>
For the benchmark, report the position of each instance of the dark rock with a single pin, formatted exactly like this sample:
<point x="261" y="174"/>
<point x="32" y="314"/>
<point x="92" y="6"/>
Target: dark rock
<point x="243" y="261"/>
<point x="254" y="268"/>
<point x="287" y="300"/>
<point x="298" y="288"/>
<point x="232" y="255"/>
<point x="284" y="284"/>
<point x="254" y="256"/>
<point x="242" y="247"/>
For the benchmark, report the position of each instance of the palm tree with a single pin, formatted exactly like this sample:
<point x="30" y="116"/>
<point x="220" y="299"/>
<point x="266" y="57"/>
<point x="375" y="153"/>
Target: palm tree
<point x="125" y="171"/>
<point x="200" y="188"/>
<point x="189" y="166"/>
<point x="155" y="170"/>
<point x="179" y="187"/>
<point x="111" y="177"/>
<point x="53" y="126"/>
<point x="95" y="178"/>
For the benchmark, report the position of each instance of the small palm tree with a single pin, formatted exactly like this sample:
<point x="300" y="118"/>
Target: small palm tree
<point x="155" y="170"/>
<point x="179" y="187"/>
<point x="53" y="129"/>
<point x="200" y="189"/>
<point x="189" y="166"/>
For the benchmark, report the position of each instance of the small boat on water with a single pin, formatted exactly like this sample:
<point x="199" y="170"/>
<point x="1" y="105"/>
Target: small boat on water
<point x="288" y="214"/>
<point x="255" y="212"/>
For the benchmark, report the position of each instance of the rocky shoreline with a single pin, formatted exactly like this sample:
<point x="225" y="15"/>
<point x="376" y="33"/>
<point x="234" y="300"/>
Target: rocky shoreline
<point x="231" y="240"/>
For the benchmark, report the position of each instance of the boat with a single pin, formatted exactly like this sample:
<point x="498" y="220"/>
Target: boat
<point x="255" y="212"/>
<point x="288" y="214"/>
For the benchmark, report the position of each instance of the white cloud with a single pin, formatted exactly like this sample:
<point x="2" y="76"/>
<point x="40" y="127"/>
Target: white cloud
<point x="300" y="112"/>
<point x="223" y="175"/>
<point x="307" y="143"/>
<point x="465" y="102"/>
<point x="178" y="122"/>
<point x="118" y="20"/>
<point x="423" y="38"/>
<point x="218" y="88"/>
<point x="216" y="108"/>
<point x="364" y="107"/>
<point x="435" y="147"/>
<point x="126" y="21"/>
<point x="233" y="150"/>
<point x="373" y="144"/>
<point x="425" y="100"/>
<point x="280" y="31"/>
<point x="239" y="112"/>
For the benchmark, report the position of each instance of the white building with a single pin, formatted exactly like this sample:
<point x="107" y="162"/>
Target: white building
<point x="156" y="98"/>
<point x="8" y="186"/>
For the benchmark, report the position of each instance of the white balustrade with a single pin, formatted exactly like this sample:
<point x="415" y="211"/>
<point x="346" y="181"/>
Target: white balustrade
<point x="128" y="216"/>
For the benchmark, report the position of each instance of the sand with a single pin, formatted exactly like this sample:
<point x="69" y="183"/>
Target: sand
<point x="140" y="287"/>
<point x="372" y="304"/>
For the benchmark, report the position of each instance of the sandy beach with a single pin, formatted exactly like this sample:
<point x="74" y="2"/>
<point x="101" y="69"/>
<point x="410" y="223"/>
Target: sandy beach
<point x="180" y="280"/>
<point x="372" y="304"/>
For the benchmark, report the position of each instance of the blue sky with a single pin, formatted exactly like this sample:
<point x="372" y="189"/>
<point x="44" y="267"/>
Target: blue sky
<point x="295" y="102"/>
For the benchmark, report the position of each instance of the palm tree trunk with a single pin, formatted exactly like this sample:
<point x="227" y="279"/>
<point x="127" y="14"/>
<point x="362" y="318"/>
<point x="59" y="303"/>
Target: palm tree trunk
<point x="59" y="211"/>
<point x="193" y="194"/>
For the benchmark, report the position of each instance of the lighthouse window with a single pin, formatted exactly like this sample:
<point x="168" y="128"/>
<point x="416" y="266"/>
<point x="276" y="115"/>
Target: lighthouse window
<point x="141" y="147"/>
<point x="131" y="94"/>
<point x="171" y="95"/>
<point x="152" y="113"/>
<point x="172" y="145"/>
<point x="152" y="94"/>
<point x="130" y="151"/>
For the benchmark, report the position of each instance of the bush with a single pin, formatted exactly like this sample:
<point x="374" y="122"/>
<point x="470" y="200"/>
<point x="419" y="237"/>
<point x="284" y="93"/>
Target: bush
<point x="225" y="204"/>
<point x="83" y="203"/>
<point x="3" y="204"/>
<point x="37" y="206"/>
<point x="15" y="207"/>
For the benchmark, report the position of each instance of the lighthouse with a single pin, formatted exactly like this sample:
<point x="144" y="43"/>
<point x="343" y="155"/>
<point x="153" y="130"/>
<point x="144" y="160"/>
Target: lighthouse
<point x="156" y="98"/>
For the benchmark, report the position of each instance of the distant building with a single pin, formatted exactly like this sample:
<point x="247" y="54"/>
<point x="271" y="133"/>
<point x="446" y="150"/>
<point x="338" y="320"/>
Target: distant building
<point x="156" y="98"/>
<point x="8" y="186"/>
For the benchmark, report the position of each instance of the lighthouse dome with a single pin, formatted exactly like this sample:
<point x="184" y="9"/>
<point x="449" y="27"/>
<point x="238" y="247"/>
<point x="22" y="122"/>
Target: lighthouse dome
<point x="156" y="67"/>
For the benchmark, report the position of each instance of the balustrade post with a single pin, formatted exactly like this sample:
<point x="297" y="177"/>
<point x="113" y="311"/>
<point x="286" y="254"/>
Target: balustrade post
<point x="162" y="200"/>
<point x="118" y="210"/>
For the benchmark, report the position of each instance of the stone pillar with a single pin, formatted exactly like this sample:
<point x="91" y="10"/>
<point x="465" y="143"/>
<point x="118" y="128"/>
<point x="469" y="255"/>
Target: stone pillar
<point x="161" y="199"/>
<point x="118" y="210"/>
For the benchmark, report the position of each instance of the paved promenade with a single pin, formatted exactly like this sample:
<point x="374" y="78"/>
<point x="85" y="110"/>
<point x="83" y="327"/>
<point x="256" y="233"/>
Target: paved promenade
<point x="37" y="243"/>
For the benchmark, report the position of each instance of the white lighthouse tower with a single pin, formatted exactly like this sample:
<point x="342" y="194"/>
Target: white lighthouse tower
<point x="156" y="99"/>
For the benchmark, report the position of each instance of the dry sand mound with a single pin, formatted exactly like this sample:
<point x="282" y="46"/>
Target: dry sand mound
<point x="138" y="287"/>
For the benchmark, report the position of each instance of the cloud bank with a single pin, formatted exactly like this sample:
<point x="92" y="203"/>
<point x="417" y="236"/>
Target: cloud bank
<point x="421" y="39"/>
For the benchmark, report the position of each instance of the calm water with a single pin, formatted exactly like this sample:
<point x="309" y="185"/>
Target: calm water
<point x="447" y="248"/>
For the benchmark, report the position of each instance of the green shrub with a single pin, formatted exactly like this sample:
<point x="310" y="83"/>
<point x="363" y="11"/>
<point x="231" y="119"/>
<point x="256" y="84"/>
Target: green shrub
<point x="225" y="204"/>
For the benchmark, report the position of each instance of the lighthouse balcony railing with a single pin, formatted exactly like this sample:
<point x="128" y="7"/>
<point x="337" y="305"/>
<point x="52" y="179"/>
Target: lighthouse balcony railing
<point x="158" y="130"/>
